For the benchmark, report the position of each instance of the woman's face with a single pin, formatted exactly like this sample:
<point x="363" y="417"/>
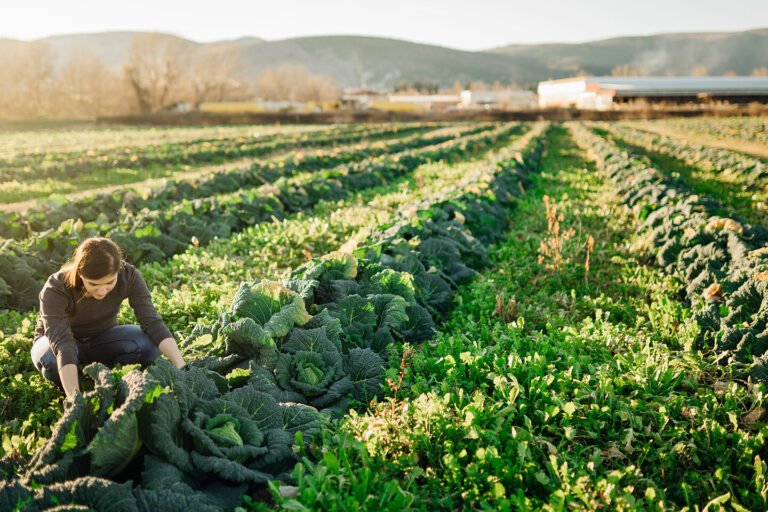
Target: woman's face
<point x="99" y="288"/>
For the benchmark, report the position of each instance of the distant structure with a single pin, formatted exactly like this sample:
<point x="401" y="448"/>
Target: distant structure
<point x="607" y="92"/>
<point x="360" y="98"/>
<point x="507" y="99"/>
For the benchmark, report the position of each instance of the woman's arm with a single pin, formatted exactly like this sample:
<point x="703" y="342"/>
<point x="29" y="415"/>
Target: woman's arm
<point x="169" y="348"/>
<point x="68" y="376"/>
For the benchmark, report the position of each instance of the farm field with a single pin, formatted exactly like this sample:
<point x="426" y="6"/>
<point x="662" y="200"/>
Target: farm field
<point x="521" y="316"/>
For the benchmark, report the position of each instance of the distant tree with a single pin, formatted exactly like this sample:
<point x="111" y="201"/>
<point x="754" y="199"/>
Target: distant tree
<point x="760" y="72"/>
<point x="154" y="70"/>
<point x="730" y="72"/>
<point x="293" y="83"/>
<point x="215" y="75"/>
<point x="627" y="70"/>
<point x="26" y="80"/>
<point x="477" y="85"/>
<point x="699" y="70"/>
<point x="86" y="87"/>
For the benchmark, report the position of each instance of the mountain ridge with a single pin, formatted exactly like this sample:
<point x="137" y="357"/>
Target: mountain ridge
<point x="379" y="62"/>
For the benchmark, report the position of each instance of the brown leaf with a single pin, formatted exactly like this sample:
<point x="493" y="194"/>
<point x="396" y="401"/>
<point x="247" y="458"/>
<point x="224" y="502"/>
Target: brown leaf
<point x="762" y="276"/>
<point x="306" y="254"/>
<point x="753" y="416"/>
<point x="714" y="293"/>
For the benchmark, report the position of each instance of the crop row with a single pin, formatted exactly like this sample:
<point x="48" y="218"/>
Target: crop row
<point x="752" y="129"/>
<point x="111" y="207"/>
<point x="155" y="235"/>
<point x="722" y="261"/>
<point x="750" y="170"/>
<point x="28" y="143"/>
<point x="212" y="435"/>
<point x="64" y="165"/>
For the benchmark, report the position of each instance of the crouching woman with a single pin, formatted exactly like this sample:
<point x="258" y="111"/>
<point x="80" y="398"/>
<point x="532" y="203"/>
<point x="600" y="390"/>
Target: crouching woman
<point x="78" y="317"/>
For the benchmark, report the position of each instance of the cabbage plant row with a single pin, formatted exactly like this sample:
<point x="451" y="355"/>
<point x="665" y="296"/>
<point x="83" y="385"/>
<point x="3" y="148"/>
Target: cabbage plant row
<point x="156" y="235"/>
<point x="751" y="171"/>
<point x="61" y="165"/>
<point x="722" y="261"/>
<point x="752" y="129"/>
<point x="81" y="140"/>
<point x="284" y="357"/>
<point x="112" y="206"/>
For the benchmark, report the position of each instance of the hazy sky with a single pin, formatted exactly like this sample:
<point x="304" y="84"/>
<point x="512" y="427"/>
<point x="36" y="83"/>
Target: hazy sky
<point x="469" y="24"/>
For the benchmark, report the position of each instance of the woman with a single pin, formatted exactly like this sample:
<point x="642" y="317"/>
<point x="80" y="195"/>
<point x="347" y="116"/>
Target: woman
<point x="78" y="317"/>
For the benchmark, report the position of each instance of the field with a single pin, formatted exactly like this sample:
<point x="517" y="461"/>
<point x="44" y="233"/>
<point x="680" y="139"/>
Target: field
<point x="481" y="316"/>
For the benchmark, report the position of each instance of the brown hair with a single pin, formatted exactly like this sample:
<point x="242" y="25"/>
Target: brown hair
<point x="94" y="258"/>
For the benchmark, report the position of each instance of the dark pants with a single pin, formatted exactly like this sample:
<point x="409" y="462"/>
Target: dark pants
<point x="125" y="344"/>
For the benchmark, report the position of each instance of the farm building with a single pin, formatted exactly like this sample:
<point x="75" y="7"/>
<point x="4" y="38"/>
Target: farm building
<point x="604" y="92"/>
<point x="359" y="98"/>
<point x="505" y="99"/>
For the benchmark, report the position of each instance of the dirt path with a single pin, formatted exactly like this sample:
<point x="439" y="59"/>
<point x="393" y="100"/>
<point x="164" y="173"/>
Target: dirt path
<point x="750" y="148"/>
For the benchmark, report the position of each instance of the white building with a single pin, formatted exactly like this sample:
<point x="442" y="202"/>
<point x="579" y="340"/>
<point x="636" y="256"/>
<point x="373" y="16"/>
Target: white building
<point x="603" y="92"/>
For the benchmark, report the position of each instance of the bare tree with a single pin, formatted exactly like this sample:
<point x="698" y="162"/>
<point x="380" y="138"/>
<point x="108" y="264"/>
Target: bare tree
<point x="156" y="64"/>
<point x="215" y="75"/>
<point x="26" y="78"/>
<point x="86" y="87"/>
<point x="294" y="83"/>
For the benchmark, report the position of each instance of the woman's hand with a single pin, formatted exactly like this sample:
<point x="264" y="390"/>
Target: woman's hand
<point x="169" y="348"/>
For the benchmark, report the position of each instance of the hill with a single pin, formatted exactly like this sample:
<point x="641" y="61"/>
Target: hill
<point x="381" y="63"/>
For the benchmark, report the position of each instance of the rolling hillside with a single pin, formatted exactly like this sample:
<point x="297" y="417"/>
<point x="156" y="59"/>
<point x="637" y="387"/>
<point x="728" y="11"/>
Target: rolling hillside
<point x="382" y="63"/>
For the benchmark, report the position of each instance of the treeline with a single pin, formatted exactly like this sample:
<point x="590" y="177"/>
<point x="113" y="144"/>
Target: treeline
<point x="161" y="73"/>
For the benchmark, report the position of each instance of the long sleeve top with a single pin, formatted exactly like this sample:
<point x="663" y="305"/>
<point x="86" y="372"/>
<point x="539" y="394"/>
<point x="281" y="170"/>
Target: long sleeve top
<point x="65" y="316"/>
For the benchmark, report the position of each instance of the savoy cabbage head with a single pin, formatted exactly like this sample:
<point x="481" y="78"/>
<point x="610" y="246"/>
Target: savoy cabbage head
<point x="273" y="307"/>
<point x="98" y="434"/>
<point x="236" y="436"/>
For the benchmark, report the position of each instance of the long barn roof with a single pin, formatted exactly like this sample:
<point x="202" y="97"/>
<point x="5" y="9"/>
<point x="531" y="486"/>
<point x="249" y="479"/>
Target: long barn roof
<point x="662" y="85"/>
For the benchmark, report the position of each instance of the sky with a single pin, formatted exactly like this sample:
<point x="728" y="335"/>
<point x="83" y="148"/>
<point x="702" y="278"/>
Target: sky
<point x="466" y="25"/>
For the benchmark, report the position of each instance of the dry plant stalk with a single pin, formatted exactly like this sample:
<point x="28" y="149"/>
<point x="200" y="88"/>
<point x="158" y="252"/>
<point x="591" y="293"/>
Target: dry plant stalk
<point x="393" y="406"/>
<point x="507" y="312"/>
<point x="551" y="248"/>
<point x="590" y="249"/>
